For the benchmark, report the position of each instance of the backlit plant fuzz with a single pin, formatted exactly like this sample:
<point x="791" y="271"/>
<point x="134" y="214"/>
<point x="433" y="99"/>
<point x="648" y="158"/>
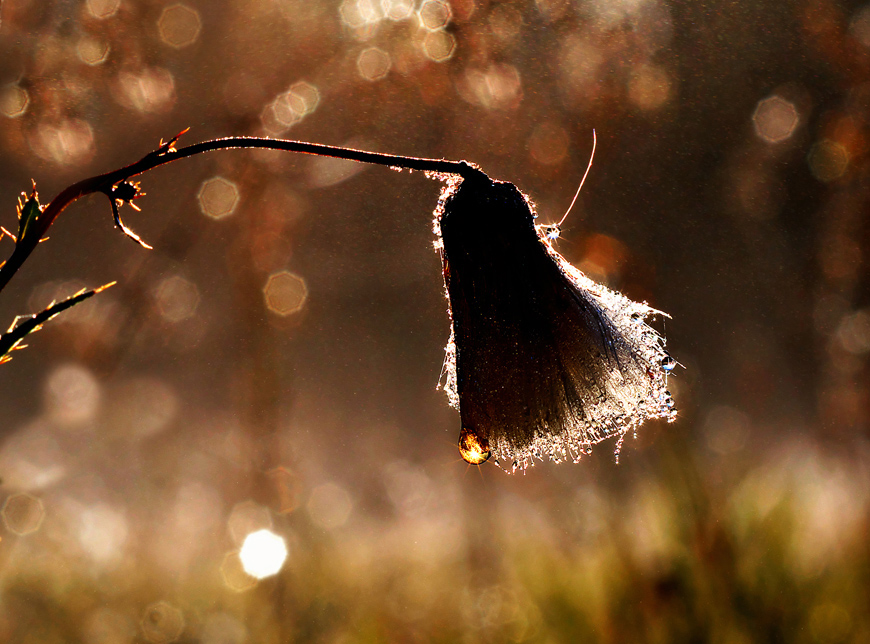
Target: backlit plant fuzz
<point x="473" y="450"/>
<point x="542" y="362"/>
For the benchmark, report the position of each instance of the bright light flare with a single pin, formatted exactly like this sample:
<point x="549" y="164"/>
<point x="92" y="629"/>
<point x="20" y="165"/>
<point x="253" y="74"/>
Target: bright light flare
<point x="263" y="553"/>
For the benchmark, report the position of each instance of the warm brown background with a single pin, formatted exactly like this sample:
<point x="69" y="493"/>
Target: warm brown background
<point x="145" y="433"/>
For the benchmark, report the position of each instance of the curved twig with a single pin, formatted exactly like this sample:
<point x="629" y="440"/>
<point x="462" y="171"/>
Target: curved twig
<point x="111" y="183"/>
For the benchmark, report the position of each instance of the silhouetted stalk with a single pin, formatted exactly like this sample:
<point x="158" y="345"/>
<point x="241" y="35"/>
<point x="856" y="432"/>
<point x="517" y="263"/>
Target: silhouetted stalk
<point x="109" y="182"/>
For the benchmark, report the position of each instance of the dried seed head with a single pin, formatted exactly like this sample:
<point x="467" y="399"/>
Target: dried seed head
<point x="542" y="361"/>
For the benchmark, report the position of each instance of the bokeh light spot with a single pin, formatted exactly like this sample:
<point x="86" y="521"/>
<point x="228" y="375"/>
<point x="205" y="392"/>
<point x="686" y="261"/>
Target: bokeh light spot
<point x="177" y="298"/>
<point x="218" y="197"/>
<point x="102" y="533"/>
<point x="13" y="101"/>
<point x="548" y="144"/>
<point x="649" y="87"/>
<point x="149" y="90"/>
<point x="179" y="26"/>
<point x="398" y="9"/>
<point x="499" y="86"/>
<point x="290" y="107"/>
<point x="860" y="26"/>
<point x="373" y="64"/>
<point x="67" y="142"/>
<point x="162" y="623"/>
<point x="263" y="554"/>
<point x="285" y="293"/>
<point x="23" y="514"/>
<point x="234" y="575"/>
<point x="72" y="395"/>
<point x="775" y="119"/>
<point x="92" y="52"/>
<point x="302" y="98"/>
<point x="828" y="160"/>
<point x="853" y="332"/>
<point x="726" y="430"/>
<point x="329" y="506"/>
<point x="247" y="517"/>
<point x="434" y="14"/>
<point x="439" y="46"/>
<point x="359" y="13"/>
<point x="103" y="8"/>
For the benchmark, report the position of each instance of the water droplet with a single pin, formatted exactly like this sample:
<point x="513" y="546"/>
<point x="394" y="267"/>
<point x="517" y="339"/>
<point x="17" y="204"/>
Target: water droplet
<point x="472" y="448"/>
<point x="668" y="363"/>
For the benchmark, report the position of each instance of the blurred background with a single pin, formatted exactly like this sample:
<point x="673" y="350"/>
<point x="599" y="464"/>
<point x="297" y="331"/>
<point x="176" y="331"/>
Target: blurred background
<point x="242" y="441"/>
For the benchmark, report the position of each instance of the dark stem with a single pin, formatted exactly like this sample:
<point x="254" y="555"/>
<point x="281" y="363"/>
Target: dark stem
<point x="167" y="153"/>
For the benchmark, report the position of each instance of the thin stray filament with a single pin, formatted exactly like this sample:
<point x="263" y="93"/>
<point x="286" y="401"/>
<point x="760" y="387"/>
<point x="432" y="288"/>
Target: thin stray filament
<point x="558" y="226"/>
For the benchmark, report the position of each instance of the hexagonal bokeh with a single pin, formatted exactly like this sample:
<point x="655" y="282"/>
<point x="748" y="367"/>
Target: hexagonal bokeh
<point x="162" y="623"/>
<point x="357" y="13"/>
<point x="828" y="160"/>
<point x="439" y="46"/>
<point x="434" y="14"/>
<point x="179" y="26"/>
<point x="304" y="97"/>
<point x="13" y="101"/>
<point x="285" y="293"/>
<point x="177" y="298"/>
<point x="103" y="8"/>
<point x="218" y="197"/>
<point x="775" y="119"/>
<point x="397" y="9"/>
<point x="23" y="514"/>
<point x="247" y="517"/>
<point x="329" y="506"/>
<point x="92" y="52"/>
<point x="263" y="554"/>
<point x="234" y="575"/>
<point x="373" y="63"/>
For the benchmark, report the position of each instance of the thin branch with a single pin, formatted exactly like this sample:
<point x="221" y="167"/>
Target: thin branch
<point x="26" y="324"/>
<point x="109" y="182"/>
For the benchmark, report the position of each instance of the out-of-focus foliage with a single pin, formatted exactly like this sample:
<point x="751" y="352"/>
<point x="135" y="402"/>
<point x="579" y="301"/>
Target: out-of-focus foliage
<point x="271" y="365"/>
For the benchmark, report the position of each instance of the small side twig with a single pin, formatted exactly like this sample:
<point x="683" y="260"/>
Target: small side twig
<point x="23" y="325"/>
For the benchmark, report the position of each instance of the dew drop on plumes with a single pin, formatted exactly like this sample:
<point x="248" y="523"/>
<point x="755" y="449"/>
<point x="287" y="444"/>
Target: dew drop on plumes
<point x="542" y="362"/>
